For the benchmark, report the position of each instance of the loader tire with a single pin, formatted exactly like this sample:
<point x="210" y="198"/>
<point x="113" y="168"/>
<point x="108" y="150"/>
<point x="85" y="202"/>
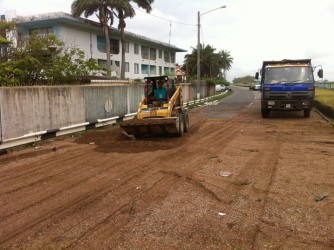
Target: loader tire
<point x="186" y="120"/>
<point x="180" y="125"/>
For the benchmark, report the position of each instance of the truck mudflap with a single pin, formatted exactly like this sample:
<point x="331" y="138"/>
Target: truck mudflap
<point x="152" y="127"/>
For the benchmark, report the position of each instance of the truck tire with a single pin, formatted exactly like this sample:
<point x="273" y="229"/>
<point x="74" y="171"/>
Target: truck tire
<point x="180" y="124"/>
<point x="307" y="113"/>
<point x="265" y="112"/>
<point x="186" y="120"/>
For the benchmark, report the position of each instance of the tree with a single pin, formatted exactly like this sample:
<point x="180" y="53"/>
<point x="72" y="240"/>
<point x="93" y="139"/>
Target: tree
<point x="104" y="14"/>
<point x="243" y="79"/>
<point x="190" y="60"/>
<point x="44" y="60"/>
<point x="124" y="9"/>
<point x="211" y="63"/>
<point x="6" y="28"/>
<point x="225" y="61"/>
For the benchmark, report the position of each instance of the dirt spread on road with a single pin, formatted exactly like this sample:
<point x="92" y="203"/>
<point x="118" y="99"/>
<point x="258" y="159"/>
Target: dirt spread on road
<point x="234" y="181"/>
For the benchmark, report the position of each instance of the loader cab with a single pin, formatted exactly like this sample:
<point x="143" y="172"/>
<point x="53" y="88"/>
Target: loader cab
<point x="151" y="83"/>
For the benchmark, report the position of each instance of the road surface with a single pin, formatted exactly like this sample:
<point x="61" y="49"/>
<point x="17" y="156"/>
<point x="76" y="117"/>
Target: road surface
<point x="234" y="181"/>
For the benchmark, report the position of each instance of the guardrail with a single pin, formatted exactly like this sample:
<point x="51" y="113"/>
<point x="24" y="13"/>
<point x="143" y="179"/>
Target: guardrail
<point x="48" y="134"/>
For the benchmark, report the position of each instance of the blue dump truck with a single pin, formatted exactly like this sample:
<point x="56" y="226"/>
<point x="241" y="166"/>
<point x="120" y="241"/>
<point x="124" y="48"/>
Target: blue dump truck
<point x="287" y="85"/>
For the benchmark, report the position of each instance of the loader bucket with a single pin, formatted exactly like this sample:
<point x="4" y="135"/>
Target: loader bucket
<point x="152" y="127"/>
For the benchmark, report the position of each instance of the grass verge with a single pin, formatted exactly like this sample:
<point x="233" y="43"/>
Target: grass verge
<point x="210" y="99"/>
<point x="324" y="101"/>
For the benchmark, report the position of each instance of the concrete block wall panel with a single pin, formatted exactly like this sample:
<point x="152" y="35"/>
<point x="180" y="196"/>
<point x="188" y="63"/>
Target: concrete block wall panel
<point x="30" y="109"/>
<point x="26" y="110"/>
<point x="108" y="101"/>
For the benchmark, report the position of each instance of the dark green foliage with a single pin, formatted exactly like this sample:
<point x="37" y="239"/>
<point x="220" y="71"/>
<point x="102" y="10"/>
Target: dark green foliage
<point x="43" y="60"/>
<point x="212" y="64"/>
<point x="6" y="28"/>
<point x="243" y="80"/>
<point x="217" y="81"/>
<point x="211" y="82"/>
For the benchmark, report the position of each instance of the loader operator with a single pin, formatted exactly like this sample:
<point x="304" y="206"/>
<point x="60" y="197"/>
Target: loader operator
<point x="160" y="95"/>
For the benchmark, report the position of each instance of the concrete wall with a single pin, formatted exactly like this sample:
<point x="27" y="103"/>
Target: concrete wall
<point x="25" y="110"/>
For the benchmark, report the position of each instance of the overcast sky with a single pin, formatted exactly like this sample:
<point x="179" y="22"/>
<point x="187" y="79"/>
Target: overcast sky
<point x="252" y="31"/>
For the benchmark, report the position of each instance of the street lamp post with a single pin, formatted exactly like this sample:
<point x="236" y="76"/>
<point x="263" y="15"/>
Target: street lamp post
<point x="199" y="48"/>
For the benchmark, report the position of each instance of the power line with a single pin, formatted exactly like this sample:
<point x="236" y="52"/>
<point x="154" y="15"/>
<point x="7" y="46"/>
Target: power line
<point x="164" y="18"/>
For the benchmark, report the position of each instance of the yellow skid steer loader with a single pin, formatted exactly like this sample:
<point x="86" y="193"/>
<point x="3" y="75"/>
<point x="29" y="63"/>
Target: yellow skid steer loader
<point x="156" y="116"/>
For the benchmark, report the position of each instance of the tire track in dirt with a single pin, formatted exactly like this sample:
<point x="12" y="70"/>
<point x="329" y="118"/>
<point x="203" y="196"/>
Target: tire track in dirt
<point x="259" y="167"/>
<point x="81" y="202"/>
<point x="194" y="181"/>
<point x="271" y="163"/>
<point x="61" y="209"/>
<point x="30" y="169"/>
<point x="54" y="174"/>
<point x="225" y="133"/>
<point x="157" y="192"/>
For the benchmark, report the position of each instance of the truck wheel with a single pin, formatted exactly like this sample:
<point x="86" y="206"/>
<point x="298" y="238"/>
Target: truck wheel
<point x="180" y="125"/>
<point x="265" y="112"/>
<point x="186" y="120"/>
<point x="307" y="113"/>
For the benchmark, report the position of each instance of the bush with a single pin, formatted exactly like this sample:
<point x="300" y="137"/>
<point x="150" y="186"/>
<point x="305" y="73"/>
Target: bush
<point x="34" y="63"/>
<point x="210" y="82"/>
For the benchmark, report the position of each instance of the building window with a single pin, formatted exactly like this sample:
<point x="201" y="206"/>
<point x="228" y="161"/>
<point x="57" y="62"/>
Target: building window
<point x="117" y="63"/>
<point x="41" y="31"/>
<point x="101" y="45"/>
<point x="166" y="56"/>
<point x="126" y="47"/>
<point x="114" y="46"/>
<point x="136" y="49"/>
<point x="172" y="57"/>
<point x="102" y="63"/>
<point x="127" y="67"/>
<point x="136" y="67"/>
<point x="166" y="69"/>
<point x="145" y="52"/>
<point x="160" y="53"/>
<point x="145" y="69"/>
<point x="153" y="70"/>
<point x="153" y="54"/>
<point x="172" y="71"/>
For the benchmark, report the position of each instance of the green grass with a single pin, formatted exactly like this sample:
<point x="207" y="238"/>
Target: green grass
<point x="210" y="99"/>
<point x="325" y="97"/>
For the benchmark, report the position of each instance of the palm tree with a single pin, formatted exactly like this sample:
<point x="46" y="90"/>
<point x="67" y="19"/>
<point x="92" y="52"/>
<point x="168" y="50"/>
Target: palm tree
<point x="190" y="60"/>
<point x="104" y="14"/>
<point x="225" y="61"/>
<point x="123" y="9"/>
<point x="209" y="60"/>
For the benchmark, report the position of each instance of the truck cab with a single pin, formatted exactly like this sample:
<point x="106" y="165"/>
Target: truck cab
<point x="287" y="85"/>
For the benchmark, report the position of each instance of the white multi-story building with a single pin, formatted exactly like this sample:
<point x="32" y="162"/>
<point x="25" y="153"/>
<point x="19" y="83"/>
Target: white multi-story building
<point x="144" y="56"/>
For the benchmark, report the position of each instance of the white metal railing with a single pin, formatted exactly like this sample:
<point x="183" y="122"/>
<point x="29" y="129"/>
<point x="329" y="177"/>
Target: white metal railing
<point x="47" y="134"/>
